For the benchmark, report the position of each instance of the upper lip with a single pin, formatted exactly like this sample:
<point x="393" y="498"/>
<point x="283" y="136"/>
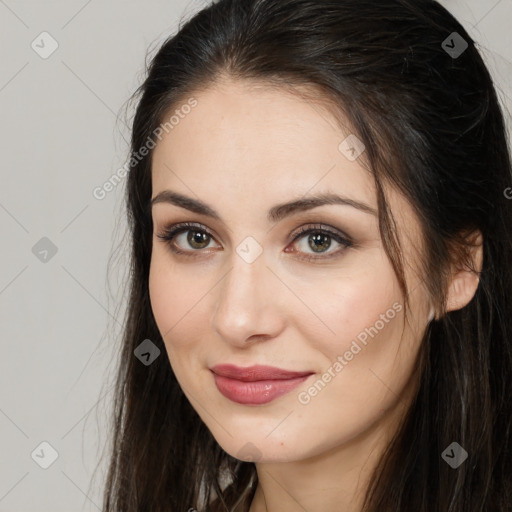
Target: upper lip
<point x="256" y="372"/>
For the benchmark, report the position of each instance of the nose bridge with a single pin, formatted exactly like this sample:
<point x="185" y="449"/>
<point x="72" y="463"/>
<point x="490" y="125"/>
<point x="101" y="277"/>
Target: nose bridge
<point x="244" y="303"/>
<point x="239" y="293"/>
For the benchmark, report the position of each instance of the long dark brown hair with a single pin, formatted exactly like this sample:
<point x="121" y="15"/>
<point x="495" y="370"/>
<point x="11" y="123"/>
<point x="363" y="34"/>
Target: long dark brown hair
<point x="427" y="111"/>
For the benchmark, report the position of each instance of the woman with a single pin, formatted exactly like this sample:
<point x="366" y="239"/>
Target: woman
<point x="321" y="297"/>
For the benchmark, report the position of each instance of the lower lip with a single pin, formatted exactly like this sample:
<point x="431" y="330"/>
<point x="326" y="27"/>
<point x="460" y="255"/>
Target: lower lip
<point x="257" y="392"/>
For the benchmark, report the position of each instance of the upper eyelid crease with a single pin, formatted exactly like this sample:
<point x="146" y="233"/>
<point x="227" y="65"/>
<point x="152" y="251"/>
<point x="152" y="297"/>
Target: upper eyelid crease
<point x="181" y="227"/>
<point x="275" y="214"/>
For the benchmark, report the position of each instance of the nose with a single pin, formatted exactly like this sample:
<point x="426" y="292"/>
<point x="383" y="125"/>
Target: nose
<point x="248" y="303"/>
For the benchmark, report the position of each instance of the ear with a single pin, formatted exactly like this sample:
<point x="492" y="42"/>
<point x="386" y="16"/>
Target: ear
<point x="464" y="282"/>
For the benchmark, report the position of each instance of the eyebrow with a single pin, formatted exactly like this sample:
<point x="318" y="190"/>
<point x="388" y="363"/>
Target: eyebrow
<point x="275" y="214"/>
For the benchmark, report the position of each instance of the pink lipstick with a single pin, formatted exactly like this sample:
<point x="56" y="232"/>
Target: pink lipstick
<point x="255" y="385"/>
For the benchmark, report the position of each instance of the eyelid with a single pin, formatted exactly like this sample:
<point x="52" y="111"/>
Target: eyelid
<point x="319" y="226"/>
<point x="181" y="227"/>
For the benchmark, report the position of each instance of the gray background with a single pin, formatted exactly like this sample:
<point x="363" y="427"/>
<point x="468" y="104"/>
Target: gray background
<point x="63" y="133"/>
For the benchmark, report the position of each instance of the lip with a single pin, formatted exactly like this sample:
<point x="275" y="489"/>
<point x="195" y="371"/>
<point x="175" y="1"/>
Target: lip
<point x="255" y="385"/>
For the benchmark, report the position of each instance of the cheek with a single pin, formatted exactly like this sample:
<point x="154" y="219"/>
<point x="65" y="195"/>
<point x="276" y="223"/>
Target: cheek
<point x="352" y="306"/>
<point x="164" y="303"/>
<point x="370" y="358"/>
<point x="175" y="298"/>
<point x="368" y="311"/>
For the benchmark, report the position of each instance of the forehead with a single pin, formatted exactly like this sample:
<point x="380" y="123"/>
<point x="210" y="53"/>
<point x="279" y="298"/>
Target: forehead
<point x="249" y="136"/>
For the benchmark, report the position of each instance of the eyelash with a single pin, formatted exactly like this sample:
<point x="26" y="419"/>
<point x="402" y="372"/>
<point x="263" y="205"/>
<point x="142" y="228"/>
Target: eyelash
<point x="168" y="235"/>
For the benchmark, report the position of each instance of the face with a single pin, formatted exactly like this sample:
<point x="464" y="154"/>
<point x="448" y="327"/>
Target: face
<point x="307" y="290"/>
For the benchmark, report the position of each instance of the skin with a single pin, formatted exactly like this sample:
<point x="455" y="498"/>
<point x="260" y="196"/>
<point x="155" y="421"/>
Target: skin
<point x="243" y="149"/>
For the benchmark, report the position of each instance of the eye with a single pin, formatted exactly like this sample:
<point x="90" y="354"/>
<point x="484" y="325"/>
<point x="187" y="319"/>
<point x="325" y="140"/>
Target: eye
<point x="319" y="241"/>
<point x="199" y="238"/>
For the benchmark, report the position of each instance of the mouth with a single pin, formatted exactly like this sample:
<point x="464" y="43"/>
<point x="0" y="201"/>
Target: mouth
<point x="256" y="385"/>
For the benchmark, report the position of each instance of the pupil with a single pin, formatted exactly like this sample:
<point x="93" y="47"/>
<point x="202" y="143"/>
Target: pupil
<point x="197" y="238"/>
<point x="318" y="238"/>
